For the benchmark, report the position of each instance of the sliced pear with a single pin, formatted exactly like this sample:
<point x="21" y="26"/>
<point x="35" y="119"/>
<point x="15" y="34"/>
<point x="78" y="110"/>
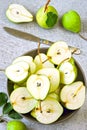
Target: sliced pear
<point x="68" y="72"/>
<point x="53" y="75"/>
<point x="22" y="101"/>
<point x="42" y="61"/>
<point x="73" y="95"/>
<point x="18" y="14"/>
<point x="29" y="60"/>
<point x="38" y="86"/>
<point x="17" y="72"/>
<point x="49" y="111"/>
<point x="59" y="52"/>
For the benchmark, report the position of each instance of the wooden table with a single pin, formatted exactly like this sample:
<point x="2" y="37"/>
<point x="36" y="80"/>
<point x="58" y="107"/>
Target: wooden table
<point x="12" y="47"/>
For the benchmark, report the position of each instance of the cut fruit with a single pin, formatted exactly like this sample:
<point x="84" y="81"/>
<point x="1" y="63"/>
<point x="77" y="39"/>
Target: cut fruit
<point x="42" y="61"/>
<point x="68" y="72"/>
<point x="59" y="52"/>
<point x="17" y="72"/>
<point x="29" y="60"/>
<point x="73" y="95"/>
<point x="18" y="14"/>
<point x="49" y="112"/>
<point x="38" y="86"/>
<point x="53" y="75"/>
<point x="22" y="101"/>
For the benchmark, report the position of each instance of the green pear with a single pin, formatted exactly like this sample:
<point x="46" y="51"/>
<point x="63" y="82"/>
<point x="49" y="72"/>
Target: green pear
<point x="47" y="18"/>
<point x="71" y="21"/>
<point x="16" y="125"/>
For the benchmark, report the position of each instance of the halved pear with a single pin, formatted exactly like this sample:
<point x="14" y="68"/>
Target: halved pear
<point x="53" y="75"/>
<point x="29" y="60"/>
<point x="38" y="86"/>
<point x="68" y="72"/>
<point x="22" y="101"/>
<point x="17" y="72"/>
<point x="59" y="52"/>
<point x="73" y="95"/>
<point x="18" y="14"/>
<point x="42" y="61"/>
<point x="48" y="111"/>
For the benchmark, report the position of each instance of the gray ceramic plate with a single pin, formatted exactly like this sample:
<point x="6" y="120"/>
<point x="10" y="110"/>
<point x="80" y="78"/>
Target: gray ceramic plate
<point x="67" y="113"/>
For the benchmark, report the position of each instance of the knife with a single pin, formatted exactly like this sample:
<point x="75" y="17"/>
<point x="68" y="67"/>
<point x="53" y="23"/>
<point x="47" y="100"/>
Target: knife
<point x="30" y="37"/>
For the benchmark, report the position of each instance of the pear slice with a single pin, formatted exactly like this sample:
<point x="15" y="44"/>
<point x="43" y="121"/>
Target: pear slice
<point x="42" y="61"/>
<point x="49" y="111"/>
<point x="18" y="14"/>
<point x="22" y="101"/>
<point x="68" y="72"/>
<point x="17" y="72"/>
<point x="59" y="52"/>
<point x="29" y="60"/>
<point x="73" y="95"/>
<point x="38" y="86"/>
<point x="53" y="75"/>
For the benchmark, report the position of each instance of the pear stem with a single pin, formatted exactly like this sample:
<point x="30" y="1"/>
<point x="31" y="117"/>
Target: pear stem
<point x="46" y="59"/>
<point x="40" y="106"/>
<point x="2" y="70"/>
<point x="46" y="5"/>
<point x="2" y="119"/>
<point x="39" y="51"/>
<point x="82" y="36"/>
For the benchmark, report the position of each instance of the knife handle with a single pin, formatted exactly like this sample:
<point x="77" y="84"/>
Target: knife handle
<point x="46" y="42"/>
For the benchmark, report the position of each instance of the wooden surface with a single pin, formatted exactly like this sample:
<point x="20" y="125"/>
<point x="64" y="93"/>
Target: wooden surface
<point x="11" y="47"/>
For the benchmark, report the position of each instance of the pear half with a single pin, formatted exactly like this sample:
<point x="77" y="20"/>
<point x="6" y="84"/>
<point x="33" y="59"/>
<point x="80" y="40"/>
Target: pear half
<point x="49" y="111"/>
<point x="59" y="52"/>
<point x="53" y="75"/>
<point x="18" y="14"/>
<point x="38" y="86"/>
<point x="29" y="60"/>
<point x="68" y="72"/>
<point x="17" y="72"/>
<point x="73" y="95"/>
<point x="22" y="101"/>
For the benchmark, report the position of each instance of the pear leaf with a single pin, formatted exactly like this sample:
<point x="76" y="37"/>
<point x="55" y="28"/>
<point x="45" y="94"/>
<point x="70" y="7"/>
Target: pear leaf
<point x="13" y="114"/>
<point x="7" y="108"/>
<point x="3" y="98"/>
<point x="51" y="19"/>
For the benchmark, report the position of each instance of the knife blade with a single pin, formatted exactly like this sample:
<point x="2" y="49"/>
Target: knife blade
<point x="30" y="37"/>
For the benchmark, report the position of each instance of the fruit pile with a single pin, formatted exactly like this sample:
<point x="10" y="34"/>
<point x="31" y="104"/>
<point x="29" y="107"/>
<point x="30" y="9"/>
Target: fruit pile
<point x="46" y="84"/>
<point x="46" y="17"/>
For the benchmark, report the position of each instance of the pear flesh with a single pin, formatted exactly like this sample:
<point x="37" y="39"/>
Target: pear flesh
<point x="18" y="13"/>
